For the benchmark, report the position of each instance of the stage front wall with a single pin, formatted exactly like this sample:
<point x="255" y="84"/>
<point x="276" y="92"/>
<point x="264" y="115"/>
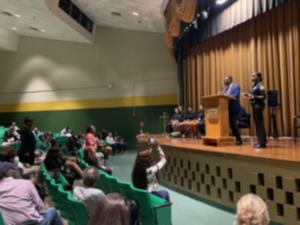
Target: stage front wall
<point x="223" y="178"/>
<point x="268" y="43"/>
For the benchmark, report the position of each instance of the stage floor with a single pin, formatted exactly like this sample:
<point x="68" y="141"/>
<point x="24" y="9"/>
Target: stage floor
<point x="282" y="149"/>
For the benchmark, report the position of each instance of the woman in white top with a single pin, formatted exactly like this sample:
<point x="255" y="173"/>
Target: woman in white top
<point x="145" y="171"/>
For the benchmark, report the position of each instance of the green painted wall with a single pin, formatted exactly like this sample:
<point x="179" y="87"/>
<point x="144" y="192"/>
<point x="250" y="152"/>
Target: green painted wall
<point x="112" y="119"/>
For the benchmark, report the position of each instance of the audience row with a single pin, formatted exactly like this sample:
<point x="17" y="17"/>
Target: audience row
<point x="20" y="180"/>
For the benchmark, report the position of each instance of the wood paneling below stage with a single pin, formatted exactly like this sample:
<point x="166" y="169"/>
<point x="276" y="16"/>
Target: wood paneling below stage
<point x="224" y="174"/>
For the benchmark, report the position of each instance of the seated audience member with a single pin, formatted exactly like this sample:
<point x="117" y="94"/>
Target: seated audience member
<point x="190" y="115"/>
<point x="72" y="144"/>
<point x="9" y="137"/>
<point x="16" y="128"/>
<point x="200" y="116"/>
<point x="48" y="139"/>
<point x="9" y="154"/>
<point x="174" y="119"/>
<point x="36" y="132"/>
<point x="70" y="162"/>
<point x="104" y="146"/>
<point x="110" y="140"/>
<point x="91" y="156"/>
<point x="20" y="202"/>
<point x="54" y="162"/>
<point x="81" y="140"/>
<point x="73" y="134"/>
<point x="87" y="194"/>
<point x="243" y="118"/>
<point x="26" y="151"/>
<point x="251" y="210"/>
<point x="65" y="131"/>
<point x="144" y="174"/>
<point x="15" y="132"/>
<point x="181" y="114"/>
<point x="42" y="144"/>
<point x="112" y="209"/>
<point x="121" y="145"/>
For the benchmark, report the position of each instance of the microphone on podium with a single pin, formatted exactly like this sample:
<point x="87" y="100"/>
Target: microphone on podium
<point x="220" y="92"/>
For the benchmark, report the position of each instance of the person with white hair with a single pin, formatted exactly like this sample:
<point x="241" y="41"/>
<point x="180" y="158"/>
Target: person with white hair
<point x="87" y="194"/>
<point x="251" y="210"/>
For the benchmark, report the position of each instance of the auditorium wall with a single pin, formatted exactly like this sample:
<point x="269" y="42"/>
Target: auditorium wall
<point x="60" y="83"/>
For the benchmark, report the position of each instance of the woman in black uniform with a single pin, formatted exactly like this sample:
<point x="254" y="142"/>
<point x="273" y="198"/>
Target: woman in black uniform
<point x="257" y="97"/>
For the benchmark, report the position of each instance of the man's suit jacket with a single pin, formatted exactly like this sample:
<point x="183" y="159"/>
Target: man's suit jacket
<point x="234" y="91"/>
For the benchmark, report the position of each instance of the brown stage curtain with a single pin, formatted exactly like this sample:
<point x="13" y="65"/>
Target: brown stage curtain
<point x="268" y="43"/>
<point x="176" y="11"/>
<point x="172" y="20"/>
<point x="186" y="10"/>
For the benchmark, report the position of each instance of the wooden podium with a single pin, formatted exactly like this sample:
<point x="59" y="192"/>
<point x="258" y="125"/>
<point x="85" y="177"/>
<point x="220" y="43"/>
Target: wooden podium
<point x="217" y="121"/>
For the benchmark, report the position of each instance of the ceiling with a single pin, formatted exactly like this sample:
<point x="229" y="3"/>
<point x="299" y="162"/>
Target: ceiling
<point x="36" y="18"/>
<point x="149" y="18"/>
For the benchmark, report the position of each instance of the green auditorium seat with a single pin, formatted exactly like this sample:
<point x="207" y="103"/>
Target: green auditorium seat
<point x="112" y="184"/>
<point x="79" y="212"/>
<point x="1" y="220"/>
<point x="52" y="188"/>
<point x="152" y="209"/>
<point x="65" y="211"/>
<point x="126" y="189"/>
<point x="81" y="153"/>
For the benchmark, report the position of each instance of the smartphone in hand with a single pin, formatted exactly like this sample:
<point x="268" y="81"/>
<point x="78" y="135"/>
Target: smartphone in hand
<point x="152" y="140"/>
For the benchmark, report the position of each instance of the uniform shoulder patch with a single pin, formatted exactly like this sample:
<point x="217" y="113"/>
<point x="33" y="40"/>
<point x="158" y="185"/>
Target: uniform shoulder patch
<point x="262" y="87"/>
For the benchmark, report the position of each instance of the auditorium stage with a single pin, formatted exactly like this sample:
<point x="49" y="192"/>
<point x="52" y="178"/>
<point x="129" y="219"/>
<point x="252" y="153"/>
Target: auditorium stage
<point x="282" y="149"/>
<point x="223" y="174"/>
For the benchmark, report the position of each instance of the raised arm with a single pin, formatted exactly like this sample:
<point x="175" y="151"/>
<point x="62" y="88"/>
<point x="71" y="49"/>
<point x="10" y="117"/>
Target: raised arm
<point x="158" y="166"/>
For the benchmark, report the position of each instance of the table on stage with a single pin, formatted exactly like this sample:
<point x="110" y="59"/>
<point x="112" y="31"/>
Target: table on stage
<point x="186" y="125"/>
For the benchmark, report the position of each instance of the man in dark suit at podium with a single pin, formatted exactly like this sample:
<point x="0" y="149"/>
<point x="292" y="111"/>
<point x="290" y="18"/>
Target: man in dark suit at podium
<point x="233" y="90"/>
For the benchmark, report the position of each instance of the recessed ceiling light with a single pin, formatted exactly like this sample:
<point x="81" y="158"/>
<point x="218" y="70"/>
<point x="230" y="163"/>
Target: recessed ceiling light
<point x="14" y="28"/>
<point x="43" y="30"/>
<point x="220" y="2"/>
<point x="135" y="13"/>
<point x="17" y="15"/>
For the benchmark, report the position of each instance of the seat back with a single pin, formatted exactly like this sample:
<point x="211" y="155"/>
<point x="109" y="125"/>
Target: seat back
<point x="244" y="122"/>
<point x="81" y="153"/>
<point x="65" y="210"/>
<point x="1" y="220"/>
<point x="126" y="190"/>
<point x="80" y="214"/>
<point x="146" y="211"/>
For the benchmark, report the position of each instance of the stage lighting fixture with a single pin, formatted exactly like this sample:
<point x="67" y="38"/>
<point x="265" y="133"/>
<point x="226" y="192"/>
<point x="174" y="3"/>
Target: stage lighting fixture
<point x="220" y="2"/>
<point x="204" y="14"/>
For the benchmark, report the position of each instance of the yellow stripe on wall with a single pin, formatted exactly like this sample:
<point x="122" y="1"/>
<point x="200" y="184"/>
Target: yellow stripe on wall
<point x="90" y="103"/>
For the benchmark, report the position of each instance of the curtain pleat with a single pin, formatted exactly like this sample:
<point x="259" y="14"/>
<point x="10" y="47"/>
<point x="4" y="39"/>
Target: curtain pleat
<point x="186" y="10"/>
<point x="237" y="13"/>
<point x="268" y="43"/>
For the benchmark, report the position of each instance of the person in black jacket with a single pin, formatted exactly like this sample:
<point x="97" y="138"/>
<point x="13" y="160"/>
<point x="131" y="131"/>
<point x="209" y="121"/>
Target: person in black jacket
<point x="200" y="116"/>
<point x="257" y="97"/>
<point x="190" y="115"/>
<point x="26" y="151"/>
<point x="55" y="163"/>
